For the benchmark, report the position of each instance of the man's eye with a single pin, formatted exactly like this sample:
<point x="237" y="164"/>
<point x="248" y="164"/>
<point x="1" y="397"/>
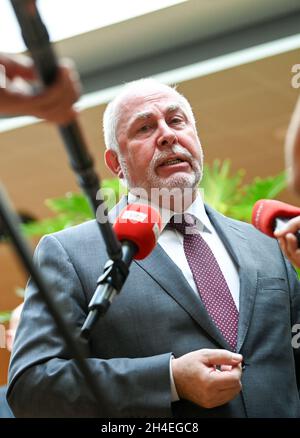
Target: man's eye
<point x="144" y="128"/>
<point x="176" y="120"/>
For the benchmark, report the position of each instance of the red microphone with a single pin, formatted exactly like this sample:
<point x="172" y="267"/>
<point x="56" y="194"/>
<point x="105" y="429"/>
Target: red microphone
<point x="138" y="226"/>
<point x="269" y="215"/>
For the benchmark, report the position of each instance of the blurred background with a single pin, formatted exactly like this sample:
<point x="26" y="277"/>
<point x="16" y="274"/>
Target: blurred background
<point x="235" y="60"/>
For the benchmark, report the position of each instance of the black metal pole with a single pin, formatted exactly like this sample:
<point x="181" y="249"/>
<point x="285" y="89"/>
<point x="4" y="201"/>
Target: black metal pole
<point x="77" y="346"/>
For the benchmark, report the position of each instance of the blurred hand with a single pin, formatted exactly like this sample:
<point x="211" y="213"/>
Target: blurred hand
<point x="54" y="103"/>
<point x="198" y="379"/>
<point x="288" y="241"/>
<point x="292" y="149"/>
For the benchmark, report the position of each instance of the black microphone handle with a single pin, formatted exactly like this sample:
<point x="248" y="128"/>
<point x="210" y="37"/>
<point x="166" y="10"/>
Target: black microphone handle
<point x="280" y="222"/>
<point x="108" y="286"/>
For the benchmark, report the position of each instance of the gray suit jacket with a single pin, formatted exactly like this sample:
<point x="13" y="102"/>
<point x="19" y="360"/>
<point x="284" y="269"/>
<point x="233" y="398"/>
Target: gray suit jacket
<point x="5" y="411"/>
<point x="155" y="315"/>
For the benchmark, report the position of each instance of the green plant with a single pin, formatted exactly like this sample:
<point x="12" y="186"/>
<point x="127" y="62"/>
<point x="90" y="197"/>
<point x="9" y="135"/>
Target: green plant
<point x="222" y="190"/>
<point x="227" y="193"/>
<point x="72" y="209"/>
<point x="4" y="316"/>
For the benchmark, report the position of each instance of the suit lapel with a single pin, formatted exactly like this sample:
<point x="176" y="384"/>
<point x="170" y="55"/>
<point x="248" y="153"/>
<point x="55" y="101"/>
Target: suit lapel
<point x="238" y="246"/>
<point x="166" y="273"/>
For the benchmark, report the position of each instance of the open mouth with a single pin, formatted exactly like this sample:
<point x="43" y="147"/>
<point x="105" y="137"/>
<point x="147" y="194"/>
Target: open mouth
<point x="172" y="162"/>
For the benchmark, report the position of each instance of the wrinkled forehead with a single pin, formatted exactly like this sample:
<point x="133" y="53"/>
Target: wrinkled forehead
<point x="147" y="97"/>
<point x="142" y="101"/>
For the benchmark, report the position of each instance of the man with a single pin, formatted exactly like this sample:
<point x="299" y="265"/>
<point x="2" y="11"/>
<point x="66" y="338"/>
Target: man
<point x="5" y="411"/>
<point x="54" y="103"/>
<point x="202" y="326"/>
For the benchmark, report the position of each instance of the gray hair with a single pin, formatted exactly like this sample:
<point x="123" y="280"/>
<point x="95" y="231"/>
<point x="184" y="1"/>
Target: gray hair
<point x="112" y="112"/>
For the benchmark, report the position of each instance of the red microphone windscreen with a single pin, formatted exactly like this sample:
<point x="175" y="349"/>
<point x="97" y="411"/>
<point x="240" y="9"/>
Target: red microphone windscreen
<point x="265" y="211"/>
<point x="140" y="224"/>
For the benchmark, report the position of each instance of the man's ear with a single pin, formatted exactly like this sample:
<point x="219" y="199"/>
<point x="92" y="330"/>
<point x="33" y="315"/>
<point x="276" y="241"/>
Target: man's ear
<point x="112" y="162"/>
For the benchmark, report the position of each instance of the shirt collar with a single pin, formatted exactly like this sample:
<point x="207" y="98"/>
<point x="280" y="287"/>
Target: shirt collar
<point x="196" y="208"/>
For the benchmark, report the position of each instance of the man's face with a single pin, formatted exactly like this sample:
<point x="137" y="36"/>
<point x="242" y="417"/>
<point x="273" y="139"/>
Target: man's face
<point x="159" y="145"/>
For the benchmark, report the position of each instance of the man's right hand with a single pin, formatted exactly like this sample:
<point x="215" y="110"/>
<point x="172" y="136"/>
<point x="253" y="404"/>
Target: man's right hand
<point x="207" y="377"/>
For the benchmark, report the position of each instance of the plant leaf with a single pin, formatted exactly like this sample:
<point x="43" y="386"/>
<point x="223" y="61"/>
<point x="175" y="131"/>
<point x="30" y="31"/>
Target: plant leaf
<point x="267" y="188"/>
<point x="4" y="316"/>
<point x="220" y="189"/>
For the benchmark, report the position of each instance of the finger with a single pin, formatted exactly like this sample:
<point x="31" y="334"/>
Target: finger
<point x="67" y="65"/>
<point x="291" y="227"/>
<point x="52" y="105"/>
<point x="221" y="357"/>
<point x="63" y="92"/>
<point x="290" y="249"/>
<point x="291" y="243"/>
<point x="59" y="117"/>
<point x="293" y="253"/>
<point x="227" y="377"/>
<point x="26" y="72"/>
<point x="282" y="244"/>
<point x="14" y="103"/>
<point x="67" y="62"/>
<point x="226" y="367"/>
<point x="68" y="78"/>
<point x="21" y="66"/>
<point x="52" y="97"/>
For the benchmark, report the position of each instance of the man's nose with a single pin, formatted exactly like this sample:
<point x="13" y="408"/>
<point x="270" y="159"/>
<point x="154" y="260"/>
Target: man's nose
<point x="167" y="136"/>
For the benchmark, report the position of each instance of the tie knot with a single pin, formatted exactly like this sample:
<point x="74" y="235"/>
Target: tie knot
<point x="184" y="223"/>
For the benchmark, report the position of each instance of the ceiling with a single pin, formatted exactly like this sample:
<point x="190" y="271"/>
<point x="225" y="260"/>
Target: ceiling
<point x="181" y="26"/>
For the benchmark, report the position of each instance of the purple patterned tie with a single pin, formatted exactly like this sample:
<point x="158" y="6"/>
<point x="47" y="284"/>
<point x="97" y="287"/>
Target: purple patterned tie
<point x="209" y="279"/>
